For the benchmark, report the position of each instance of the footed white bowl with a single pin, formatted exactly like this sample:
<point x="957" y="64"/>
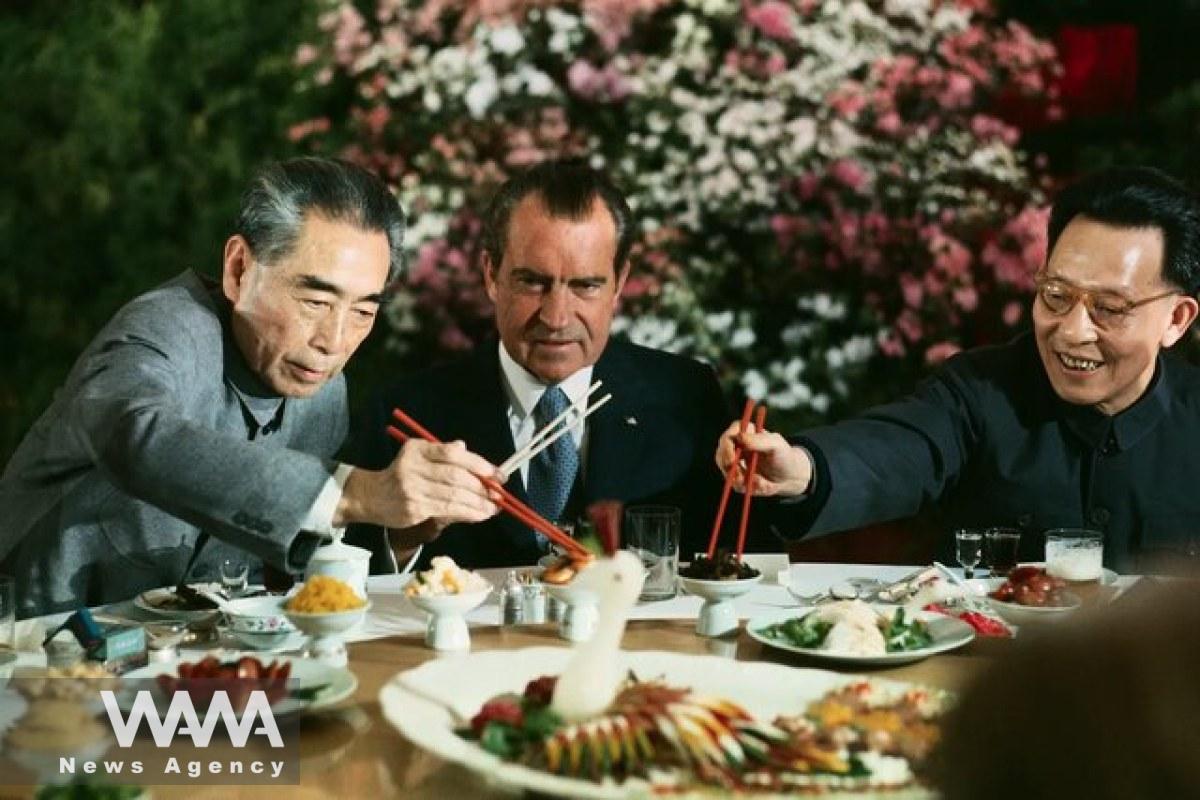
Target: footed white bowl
<point x="718" y="615"/>
<point x="447" y="629"/>
<point x="326" y="632"/>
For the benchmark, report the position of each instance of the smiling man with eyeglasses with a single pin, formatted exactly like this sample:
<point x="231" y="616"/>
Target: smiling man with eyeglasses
<point x="1083" y="423"/>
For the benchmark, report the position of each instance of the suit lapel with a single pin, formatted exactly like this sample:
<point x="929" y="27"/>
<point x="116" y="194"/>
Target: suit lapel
<point x="486" y="430"/>
<point x="616" y="438"/>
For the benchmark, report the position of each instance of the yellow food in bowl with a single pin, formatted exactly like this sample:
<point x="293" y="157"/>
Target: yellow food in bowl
<point x="322" y="594"/>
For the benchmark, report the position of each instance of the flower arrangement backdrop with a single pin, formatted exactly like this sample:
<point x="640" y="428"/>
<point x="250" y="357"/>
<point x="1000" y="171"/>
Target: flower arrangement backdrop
<point x="830" y="197"/>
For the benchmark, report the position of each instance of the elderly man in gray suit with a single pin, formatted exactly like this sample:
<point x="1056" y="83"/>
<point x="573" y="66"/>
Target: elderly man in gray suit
<point x="213" y="410"/>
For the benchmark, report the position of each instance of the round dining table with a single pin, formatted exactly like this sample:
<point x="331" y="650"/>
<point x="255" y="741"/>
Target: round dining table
<point x="350" y="750"/>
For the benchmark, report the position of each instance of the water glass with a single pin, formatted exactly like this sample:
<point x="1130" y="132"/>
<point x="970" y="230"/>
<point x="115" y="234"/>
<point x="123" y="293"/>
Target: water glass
<point x="234" y="575"/>
<point x="652" y="534"/>
<point x="8" y="612"/>
<point x="1075" y="554"/>
<point x="968" y="549"/>
<point x="1000" y="546"/>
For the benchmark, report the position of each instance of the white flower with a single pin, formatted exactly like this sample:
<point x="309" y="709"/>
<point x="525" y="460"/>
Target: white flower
<point x="719" y="323"/>
<point x="480" y="96"/>
<point x="507" y="40"/>
<point x="742" y="338"/>
<point x="754" y="384"/>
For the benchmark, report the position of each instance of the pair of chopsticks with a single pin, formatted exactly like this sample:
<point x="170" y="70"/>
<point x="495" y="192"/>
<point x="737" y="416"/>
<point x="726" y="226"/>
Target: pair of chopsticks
<point x="549" y="434"/>
<point x="523" y="513"/>
<point x="751" y="475"/>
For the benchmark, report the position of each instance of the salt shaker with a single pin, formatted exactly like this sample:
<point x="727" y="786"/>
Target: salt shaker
<point x="512" y="601"/>
<point x="535" y="604"/>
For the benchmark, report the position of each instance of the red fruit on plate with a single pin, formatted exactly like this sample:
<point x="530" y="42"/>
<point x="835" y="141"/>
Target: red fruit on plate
<point x="1026" y="595"/>
<point x="1004" y="593"/>
<point x="1023" y="574"/>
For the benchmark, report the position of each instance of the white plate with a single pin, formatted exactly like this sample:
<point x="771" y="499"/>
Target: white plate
<point x="949" y="633"/>
<point x="428" y="703"/>
<point x="151" y="601"/>
<point x="339" y="682"/>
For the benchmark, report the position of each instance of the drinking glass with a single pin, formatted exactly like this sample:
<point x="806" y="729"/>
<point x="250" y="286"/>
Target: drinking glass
<point x="652" y="534"/>
<point x="1075" y="554"/>
<point x="234" y="574"/>
<point x="968" y="549"/>
<point x="1000" y="546"/>
<point x="8" y="612"/>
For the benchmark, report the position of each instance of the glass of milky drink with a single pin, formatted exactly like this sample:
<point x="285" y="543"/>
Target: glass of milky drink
<point x="1075" y="554"/>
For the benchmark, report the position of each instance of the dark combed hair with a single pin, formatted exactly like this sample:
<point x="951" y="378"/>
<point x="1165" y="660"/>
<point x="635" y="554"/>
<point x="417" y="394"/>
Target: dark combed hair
<point x="1138" y="197"/>
<point x="568" y="188"/>
<point x="281" y="194"/>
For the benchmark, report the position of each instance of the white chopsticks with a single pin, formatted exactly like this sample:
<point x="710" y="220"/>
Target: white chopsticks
<point x="549" y="434"/>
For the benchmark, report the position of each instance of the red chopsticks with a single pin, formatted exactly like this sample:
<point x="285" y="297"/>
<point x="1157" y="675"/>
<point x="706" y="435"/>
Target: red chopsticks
<point x="507" y="502"/>
<point x="751" y="474"/>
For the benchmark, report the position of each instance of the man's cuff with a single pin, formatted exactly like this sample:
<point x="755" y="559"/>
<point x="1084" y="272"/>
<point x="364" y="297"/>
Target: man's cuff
<point x="320" y="516"/>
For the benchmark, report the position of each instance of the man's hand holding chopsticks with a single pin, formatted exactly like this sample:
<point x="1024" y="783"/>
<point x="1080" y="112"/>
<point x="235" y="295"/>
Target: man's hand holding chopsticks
<point x="783" y="469"/>
<point x="428" y="484"/>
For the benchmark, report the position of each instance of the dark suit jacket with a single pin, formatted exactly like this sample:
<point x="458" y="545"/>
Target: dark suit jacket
<point x="653" y="443"/>
<point x="987" y="442"/>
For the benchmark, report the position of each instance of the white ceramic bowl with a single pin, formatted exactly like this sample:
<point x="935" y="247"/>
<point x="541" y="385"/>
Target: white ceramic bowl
<point x="329" y="623"/>
<point x="441" y="605"/>
<point x="1017" y="614"/>
<point x="257" y="615"/>
<point x="718" y="590"/>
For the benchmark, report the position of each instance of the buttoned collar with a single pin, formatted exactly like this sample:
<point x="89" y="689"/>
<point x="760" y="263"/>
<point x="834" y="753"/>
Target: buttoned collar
<point x="524" y="389"/>
<point x="1124" y="430"/>
<point x="259" y="402"/>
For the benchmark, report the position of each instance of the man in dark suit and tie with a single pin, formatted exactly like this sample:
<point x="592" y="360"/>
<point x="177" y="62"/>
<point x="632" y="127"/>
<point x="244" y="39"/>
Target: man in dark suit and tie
<point x="555" y="258"/>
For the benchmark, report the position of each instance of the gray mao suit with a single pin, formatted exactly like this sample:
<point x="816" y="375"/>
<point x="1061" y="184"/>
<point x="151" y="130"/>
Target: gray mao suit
<point x="162" y="431"/>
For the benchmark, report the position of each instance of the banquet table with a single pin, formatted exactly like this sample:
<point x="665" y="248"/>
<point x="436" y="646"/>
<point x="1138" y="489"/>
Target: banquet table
<point x="352" y="751"/>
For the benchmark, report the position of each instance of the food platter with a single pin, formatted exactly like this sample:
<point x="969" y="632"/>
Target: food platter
<point x="949" y="633"/>
<point x="427" y="704"/>
<point x="307" y="675"/>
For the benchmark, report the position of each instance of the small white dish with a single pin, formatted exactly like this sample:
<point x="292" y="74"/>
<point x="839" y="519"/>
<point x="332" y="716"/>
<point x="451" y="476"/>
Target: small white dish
<point x="447" y="629"/>
<point x="270" y="642"/>
<point x="257" y="615"/>
<point x="718" y="615"/>
<point x="326" y="632"/>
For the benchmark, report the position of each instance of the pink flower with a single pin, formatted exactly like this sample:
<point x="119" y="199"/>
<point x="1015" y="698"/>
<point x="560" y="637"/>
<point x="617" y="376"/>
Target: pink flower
<point x="584" y="79"/>
<point x="940" y="352"/>
<point x="959" y="91"/>
<point x="891" y="346"/>
<point x="773" y="19"/>
<point x="1012" y="313"/>
<point x="848" y="173"/>
<point x="912" y="290"/>
<point x="890" y="123"/>
<point x="847" y="100"/>
<point x="966" y="298"/>
<point x="305" y="55"/>
<point x="453" y="339"/>
<point x="909" y="325"/>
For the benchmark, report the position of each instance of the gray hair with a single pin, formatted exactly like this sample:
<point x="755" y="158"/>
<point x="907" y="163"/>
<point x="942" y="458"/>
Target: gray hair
<point x="275" y="204"/>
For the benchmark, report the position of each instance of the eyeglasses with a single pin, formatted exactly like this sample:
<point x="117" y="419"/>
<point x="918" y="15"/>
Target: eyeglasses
<point x="1109" y="310"/>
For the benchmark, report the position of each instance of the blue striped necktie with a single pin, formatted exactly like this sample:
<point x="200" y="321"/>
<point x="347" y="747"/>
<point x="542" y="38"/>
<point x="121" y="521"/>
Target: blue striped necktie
<point x="552" y="471"/>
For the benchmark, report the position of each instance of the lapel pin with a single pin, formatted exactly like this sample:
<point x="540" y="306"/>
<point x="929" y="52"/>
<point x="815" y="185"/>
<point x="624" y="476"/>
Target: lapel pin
<point x="631" y="421"/>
